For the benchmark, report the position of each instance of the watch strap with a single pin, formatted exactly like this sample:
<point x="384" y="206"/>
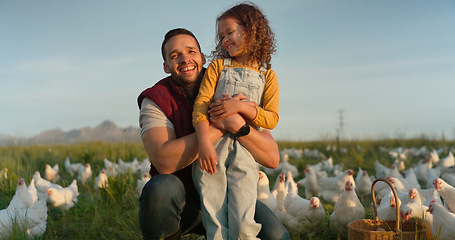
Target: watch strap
<point x="243" y="131"/>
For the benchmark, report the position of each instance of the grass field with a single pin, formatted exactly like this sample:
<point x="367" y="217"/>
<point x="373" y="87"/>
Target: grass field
<point x="112" y="213"/>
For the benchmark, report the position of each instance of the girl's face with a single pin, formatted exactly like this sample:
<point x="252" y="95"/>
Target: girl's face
<point x="232" y="35"/>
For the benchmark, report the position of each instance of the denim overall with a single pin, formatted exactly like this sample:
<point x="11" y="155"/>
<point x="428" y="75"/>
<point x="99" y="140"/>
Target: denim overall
<point x="228" y="197"/>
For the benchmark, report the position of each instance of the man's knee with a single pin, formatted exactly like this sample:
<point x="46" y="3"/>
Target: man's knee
<point x="162" y="187"/>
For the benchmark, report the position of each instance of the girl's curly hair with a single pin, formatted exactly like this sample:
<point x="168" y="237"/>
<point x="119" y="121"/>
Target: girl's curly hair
<point x="259" y="39"/>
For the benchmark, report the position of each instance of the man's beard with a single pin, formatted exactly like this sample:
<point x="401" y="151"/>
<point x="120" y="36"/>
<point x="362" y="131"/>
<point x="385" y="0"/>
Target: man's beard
<point x="187" y="81"/>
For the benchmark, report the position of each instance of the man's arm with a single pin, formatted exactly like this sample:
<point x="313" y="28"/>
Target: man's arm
<point x="260" y="144"/>
<point x="169" y="154"/>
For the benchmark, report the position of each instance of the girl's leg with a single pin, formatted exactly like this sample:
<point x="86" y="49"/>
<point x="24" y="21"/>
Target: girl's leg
<point x="212" y="190"/>
<point x="242" y="177"/>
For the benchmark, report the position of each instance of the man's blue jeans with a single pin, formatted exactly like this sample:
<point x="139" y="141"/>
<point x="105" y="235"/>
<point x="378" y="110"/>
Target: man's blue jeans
<point x="166" y="210"/>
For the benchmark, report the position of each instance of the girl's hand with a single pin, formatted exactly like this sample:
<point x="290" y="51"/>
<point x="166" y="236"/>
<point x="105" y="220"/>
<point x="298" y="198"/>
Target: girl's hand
<point x="207" y="157"/>
<point x="226" y="106"/>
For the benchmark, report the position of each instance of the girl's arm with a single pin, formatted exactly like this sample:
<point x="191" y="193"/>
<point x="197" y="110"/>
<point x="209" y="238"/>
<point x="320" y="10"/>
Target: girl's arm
<point x="266" y="117"/>
<point x="207" y="154"/>
<point x="229" y="105"/>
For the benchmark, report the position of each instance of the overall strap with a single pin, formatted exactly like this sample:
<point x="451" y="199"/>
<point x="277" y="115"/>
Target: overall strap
<point x="227" y="62"/>
<point x="263" y="69"/>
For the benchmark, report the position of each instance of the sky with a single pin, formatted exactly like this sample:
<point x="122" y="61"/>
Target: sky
<point x="363" y="69"/>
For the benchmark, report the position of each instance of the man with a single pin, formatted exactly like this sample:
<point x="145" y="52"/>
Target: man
<point x="169" y="204"/>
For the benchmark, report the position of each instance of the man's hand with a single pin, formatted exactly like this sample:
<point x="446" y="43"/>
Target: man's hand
<point x="231" y="123"/>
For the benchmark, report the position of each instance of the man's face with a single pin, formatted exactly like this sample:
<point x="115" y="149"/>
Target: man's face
<point x="184" y="61"/>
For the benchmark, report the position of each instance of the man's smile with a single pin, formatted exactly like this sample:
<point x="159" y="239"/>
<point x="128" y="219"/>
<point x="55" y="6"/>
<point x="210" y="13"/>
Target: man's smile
<point x="187" y="69"/>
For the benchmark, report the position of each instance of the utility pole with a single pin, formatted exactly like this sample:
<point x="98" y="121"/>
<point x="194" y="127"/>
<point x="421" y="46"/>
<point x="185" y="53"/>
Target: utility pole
<point x="340" y="129"/>
<point x="341" y="123"/>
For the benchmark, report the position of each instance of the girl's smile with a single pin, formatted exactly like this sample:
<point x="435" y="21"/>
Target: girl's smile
<point x="232" y="34"/>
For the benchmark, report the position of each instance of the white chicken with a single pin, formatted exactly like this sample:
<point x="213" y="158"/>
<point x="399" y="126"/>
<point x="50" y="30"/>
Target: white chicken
<point x="33" y="191"/>
<point x="431" y="196"/>
<point x="310" y="183"/>
<point x="393" y="172"/>
<point x="363" y="183"/>
<point x="32" y="219"/>
<point x="141" y="183"/>
<point x="446" y="191"/>
<point x="347" y="209"/>
<point x="381" y="170"/>
<point x="337" y="169"/>
<point x="279" y="192"/>
<point x="72" y="168"/>
<point x="429" y="182"/>
<point x="51" y="173"/>
<point x="446" y="162"/>
<point x="4" y="173"/>
<point x="331" y="187"/>
<point x="37" y="217"/>
<point x="145" y="166"/>
<point x="126" y="167"/>
<point x="443" y="221"/>
<point x="283" y="166"/>
<point x="42" y="184"/>
<point x="290" y="182"/>
<point x="264" y="194"/>
<point x="315" y="215"/>
<point x="434" y="157"/>
<point x="414" y="207"/>
<point x="85" y="173"/>
<point x="112" y="169"/>
<point x="449" y="177"/>
<point x="411" y="178"/>
<point x="101" y="181"/>
<point x="400" y="163"/>
<point x="400" y="184"/>
<point x="64" y="198"/>
<point x="324" y="165"/>
<point x="302" y="215"/>
<point x="23" y="198"/>
<point x="387" y="209"/>
<point x="422" y="168"/>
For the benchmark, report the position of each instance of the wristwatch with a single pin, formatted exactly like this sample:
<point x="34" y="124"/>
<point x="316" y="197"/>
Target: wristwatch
<point x="243" y="131"/>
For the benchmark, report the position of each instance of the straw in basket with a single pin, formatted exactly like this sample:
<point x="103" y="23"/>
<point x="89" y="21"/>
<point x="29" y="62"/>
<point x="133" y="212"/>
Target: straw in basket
<point x="376" y="229"/>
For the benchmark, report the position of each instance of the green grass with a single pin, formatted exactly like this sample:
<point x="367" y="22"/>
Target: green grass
<point x="113" y="213"/>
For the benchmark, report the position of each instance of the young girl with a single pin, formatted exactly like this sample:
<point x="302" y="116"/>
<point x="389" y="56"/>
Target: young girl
<point x="225" y="174"/>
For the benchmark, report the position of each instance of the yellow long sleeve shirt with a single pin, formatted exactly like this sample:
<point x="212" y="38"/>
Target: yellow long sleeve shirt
<point x="267" y="114"/>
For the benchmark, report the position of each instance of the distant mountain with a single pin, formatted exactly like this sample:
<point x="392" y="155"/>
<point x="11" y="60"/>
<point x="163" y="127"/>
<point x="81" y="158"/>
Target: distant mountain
<point x="107" y="131"/>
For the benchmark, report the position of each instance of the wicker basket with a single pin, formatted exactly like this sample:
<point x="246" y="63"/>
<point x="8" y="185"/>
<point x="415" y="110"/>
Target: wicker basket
<point x="376" y="229"/>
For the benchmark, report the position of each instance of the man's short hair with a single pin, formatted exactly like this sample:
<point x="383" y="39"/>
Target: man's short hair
<point x="174" y="32"/>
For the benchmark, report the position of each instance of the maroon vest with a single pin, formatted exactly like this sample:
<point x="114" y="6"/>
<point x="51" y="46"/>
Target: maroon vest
<point x="178" y="109"/>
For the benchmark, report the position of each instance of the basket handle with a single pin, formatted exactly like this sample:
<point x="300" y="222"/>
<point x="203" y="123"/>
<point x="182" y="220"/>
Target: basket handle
<point x="397" y="226"/>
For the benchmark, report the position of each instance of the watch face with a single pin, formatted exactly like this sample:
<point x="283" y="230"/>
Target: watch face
<point x="245" y="130"/>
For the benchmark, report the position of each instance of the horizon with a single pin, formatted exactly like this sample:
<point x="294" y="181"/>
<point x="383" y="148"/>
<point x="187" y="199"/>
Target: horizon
<point x="397" y="136"/>
<point x="359" y="69"/>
